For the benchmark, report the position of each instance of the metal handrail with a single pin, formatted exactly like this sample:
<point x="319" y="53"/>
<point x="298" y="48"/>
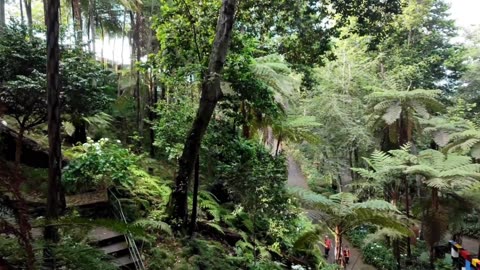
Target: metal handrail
<point x="132" y="246"/>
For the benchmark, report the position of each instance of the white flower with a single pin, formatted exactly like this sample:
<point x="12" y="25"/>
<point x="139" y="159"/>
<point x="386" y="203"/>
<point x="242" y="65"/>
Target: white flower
<point x="4" y="122"/>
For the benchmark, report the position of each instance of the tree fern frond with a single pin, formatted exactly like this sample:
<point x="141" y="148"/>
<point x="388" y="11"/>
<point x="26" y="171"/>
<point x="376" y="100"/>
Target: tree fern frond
<point x="392" y="114"/>
<point x="153" y="225"/>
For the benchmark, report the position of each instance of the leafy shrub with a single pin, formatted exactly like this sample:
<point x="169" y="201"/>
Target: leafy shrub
<point x="173" y="123"/>
<point x="99" y="165"/>
<point x="379" y="256"/>
<point x="358" y="235"/>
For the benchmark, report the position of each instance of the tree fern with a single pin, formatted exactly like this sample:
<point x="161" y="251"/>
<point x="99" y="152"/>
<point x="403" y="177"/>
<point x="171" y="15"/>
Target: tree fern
<point x="467" y="141"/>
<point x="153" y="225"/>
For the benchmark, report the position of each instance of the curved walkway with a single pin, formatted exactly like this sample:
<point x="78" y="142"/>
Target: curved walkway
<point x="297" y="179"/>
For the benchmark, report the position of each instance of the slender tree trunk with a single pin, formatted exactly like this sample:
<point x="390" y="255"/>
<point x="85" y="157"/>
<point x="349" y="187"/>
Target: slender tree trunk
<point x="80" y="133"/>
<point x="279" y="142"/>
<point x="404" y="138"/>
<point x="123" y="36"/>
<point x="22" y="18"/>
<point x="102" y="36"/>
<point x="196" y="183"/>
<point x="435" y="203"/>
<point x="210" y="95"/>
<point x="338" y="245"/>
<point x="2" y="14"/>
<point x="45" y="12"/>
<point x="18" y="148"/>
<point x="245" y="126"/>
<point x="28" y="11"/>
<point x="151" y="113"/>
<point x="91" y="18"/>
<point x="138" y="47"/>
<point x="54" y="200"/>
<point x="77" y="21"/>
<point x="350" y="161"/>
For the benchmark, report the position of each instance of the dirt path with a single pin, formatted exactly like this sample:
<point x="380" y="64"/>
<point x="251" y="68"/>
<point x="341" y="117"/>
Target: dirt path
<point x="297" y="179"/>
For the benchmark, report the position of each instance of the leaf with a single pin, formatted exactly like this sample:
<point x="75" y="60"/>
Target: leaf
<point x="475" y="153"/>
<point x="392" y="114"/>
<point x="441" y="138"/>
<point x="69" y="128"/>
<point x="215" y="226"/>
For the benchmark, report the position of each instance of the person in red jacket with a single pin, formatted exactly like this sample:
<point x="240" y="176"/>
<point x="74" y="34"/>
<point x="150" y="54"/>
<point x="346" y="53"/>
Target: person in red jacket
<point x="346" y="254"/>
<point x="328" y="245"/>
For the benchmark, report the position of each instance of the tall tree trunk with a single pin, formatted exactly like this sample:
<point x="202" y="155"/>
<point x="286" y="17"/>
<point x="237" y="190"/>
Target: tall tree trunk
<point x="77" y="21"/>
<point x="54" y="200"/>
<point x="338" y="245"/>
<point x="80" y="133"/>
<point x="138" y="52"/>
<point x="350" y="162"/>
<point x="2" y="14"/>
<point x="435" y="202"/>
<point x="210" y="95"/>
<point x="245" y="125"/>
<point x="22" y="18"/>
<point x="18" y="148"/>
<point x="279" y="143"/>
<point x="151" y="112"/>
<point x="45" y="12"/>
<point x="28" y="10"/>
<point x="404" y="138"/>
<point x="196" y="183"/>
<point x="92" y="22"/>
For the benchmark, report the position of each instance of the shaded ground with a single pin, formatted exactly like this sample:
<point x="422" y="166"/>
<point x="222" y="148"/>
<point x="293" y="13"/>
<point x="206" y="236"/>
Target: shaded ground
<point x="297" y="179"/>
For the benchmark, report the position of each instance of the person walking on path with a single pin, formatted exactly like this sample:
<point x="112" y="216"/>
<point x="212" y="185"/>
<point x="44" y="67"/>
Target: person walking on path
<point x="346" y="254"/>
<point x="328" y="245"/>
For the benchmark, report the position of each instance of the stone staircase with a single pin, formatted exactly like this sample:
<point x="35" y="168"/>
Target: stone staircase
<point x="114" y="245"/>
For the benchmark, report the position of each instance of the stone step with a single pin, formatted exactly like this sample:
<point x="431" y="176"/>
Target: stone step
<point x="122" y="261"/>
<point x="101" y="234"/>
<point x="114" y="248"/>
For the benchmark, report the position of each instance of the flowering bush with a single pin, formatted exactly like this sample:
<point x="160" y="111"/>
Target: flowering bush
<point x="379" y="256"/>
<point x="99" y="164"/>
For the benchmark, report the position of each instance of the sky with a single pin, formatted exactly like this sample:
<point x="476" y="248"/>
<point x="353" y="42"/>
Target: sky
<point x="465" y="12"/>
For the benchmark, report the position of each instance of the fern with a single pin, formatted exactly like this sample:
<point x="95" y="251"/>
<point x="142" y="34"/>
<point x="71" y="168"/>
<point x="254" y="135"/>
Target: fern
<point x="150" y="224"/>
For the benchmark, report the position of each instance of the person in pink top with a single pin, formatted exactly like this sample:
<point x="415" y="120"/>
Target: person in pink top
<point x="328" y="245"/>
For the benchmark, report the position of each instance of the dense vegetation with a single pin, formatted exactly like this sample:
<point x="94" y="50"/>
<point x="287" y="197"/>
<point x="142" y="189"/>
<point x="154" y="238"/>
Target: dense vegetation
<point x="184" y="149"/>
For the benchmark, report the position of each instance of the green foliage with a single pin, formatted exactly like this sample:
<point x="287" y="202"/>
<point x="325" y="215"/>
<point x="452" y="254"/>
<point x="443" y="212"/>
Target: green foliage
<point x="26" y="99"/>
<point x="87" y="85"/>
<point x="172" y="125"/>
<point x="379" y="256"/>
<point x="251" y="175"/>
<point x="343" y="210"/>
<point x="205" y="254"/>
<point x="83" y="257"/>
<point x="20" y="54"/>
<point x="99" y="165"/>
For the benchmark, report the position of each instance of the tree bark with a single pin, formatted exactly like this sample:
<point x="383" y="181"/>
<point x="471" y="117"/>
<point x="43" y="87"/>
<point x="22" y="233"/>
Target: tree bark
<point x="28" y="11"/>
<point x="210" y="95"/>
<point x="18" y="148"/>
<point x="279" y="142"/>
<point x="22" y="19"/>
<point x="196" y="183"/>
<point x="45" y="12"/>
<point x="55" y="155"/>
<point x="2" y="14"/>
<point x="151" y="112"/>
<point x="338" y="245"/>
<point x="91" y="19"/>
<point x="77" y="21"/>
<point x="435" y="199"/>
<point x="80" y="133"/>
<point x="138" y="52"/>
